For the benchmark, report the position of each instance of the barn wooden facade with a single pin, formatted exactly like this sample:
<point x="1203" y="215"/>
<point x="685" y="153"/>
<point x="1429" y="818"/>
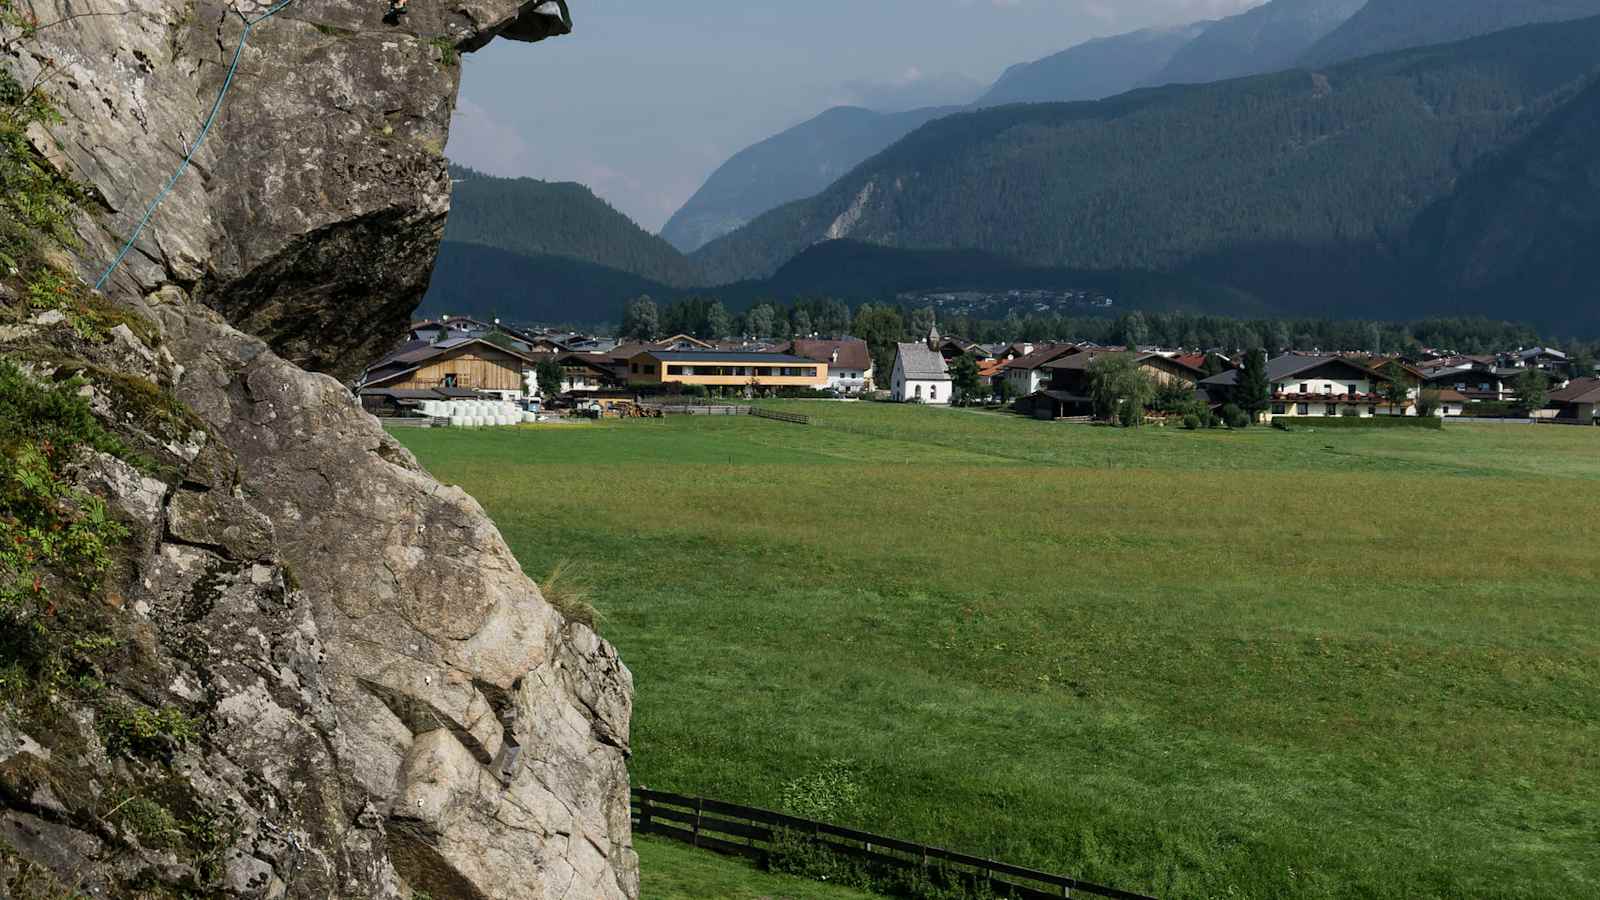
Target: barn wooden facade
<point x="468" y="364"/>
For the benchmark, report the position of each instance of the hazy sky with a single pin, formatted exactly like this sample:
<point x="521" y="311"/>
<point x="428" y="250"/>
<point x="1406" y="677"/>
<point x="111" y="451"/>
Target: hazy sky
<point x="646" y="97"/>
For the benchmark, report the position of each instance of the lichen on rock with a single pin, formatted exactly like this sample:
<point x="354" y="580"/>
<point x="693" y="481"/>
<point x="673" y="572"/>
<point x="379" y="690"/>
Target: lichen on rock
<point x="313" y="671"/>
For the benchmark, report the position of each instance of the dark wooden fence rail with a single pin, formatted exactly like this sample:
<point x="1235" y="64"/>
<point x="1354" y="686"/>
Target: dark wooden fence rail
<point x="796" y="418"/>
<point x="749" y="831"/>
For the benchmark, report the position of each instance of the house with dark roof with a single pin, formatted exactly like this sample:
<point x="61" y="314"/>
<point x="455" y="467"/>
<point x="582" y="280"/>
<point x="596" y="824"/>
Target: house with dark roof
<point x="1313" y="386"/>
<point x="849" y="362"/>
<point x="1066" y="393"/>
<point x="1026" y="373"/>
<point x="1578" y="402"/>
<point x="920" y="375"/>
<point x="724" y="368"/>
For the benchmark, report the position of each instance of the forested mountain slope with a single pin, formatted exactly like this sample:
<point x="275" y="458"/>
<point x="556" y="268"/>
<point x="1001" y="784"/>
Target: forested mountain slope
<point x="1094" y="69"/>
<point x="1524" y="228"/>
<point x="1297" y="187"/>
<point x="473" y="280"/>
<point x="1268" y="38"/>
<point x="556" y="219"/>
<point x="789" y="166"/>
<point x="1383" y="26"/>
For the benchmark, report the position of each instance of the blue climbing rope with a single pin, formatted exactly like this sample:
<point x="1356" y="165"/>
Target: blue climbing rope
<point x="249" y="25"/>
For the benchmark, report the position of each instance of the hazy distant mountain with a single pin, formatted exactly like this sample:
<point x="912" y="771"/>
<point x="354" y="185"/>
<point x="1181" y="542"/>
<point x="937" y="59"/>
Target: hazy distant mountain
<point x="1268" y="38"/>
<point x="557" y="219"/>
<point x="1094" y="69"/>
<point x="1296" y="187"/>
<point x="1385" y="25"/>
<point x="789" y="166"/>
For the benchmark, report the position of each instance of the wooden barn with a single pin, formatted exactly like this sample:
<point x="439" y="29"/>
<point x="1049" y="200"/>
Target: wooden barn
<point x="472" y="364"/>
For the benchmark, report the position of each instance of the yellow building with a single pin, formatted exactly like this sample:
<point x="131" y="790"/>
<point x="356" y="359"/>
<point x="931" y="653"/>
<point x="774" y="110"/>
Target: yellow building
<point x="716" y="368"/>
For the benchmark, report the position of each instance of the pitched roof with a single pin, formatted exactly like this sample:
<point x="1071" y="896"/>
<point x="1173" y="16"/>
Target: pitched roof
<point x="1288" y="367"/>
<point x="413" y="355"/>
<point x="1042" y="355"/>
<point x="1080" y="362"/>
<point x="918" y="363"/>
<point x="853" y="352"/>
<point x="1579" y="390"/>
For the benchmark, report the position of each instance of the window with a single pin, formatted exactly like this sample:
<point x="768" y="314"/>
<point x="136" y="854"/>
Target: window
<point x="1305" y="388"/>
<point x="1279" y="409"/>
<point x="633" y="368"/>
<point x="450" y="379"/>
<point x="919" y="392"/>
<point x="1330" y="409"/>
<point x="649" y="368"/>
<point x="1351" y="389"/>
<point x="1327" y="388"/>
<point x="675" y="370"/>
<point x="933" y="392"/>
<point x="1372" y="410"/>
<point x="1302" y="409"/>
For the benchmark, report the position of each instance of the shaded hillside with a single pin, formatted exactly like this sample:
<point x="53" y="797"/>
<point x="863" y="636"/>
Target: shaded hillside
<point x="1268" y="38"/>
<point x="545" y="218"/>
<point x="484" y="282"/>
<point x="1294" y="187"/>
<point x="1094" y="69"/>
<point x="1523" y="228"/>
<point x="1383" y="26"/>
<point x="789" y="166"/>
<point x="856" y="271"/>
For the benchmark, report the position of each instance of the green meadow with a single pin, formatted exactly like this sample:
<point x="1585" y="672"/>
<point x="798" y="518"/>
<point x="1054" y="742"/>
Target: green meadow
<point x="1194" y="664"/>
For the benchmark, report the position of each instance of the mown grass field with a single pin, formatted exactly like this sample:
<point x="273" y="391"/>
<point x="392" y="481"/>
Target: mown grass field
<point x="673" y="871"/>
<point x="1318" y="664"/>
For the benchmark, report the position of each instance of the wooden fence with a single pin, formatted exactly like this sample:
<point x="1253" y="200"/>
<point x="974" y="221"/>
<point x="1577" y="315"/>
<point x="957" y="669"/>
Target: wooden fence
<point x="700" y="409"/>
<point x="773" y="414"/>
<point x="751" y="832"/>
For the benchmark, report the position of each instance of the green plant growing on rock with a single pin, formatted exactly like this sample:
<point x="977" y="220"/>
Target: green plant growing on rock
<point x="139" y="732"/>
<point x="55" y="540"/>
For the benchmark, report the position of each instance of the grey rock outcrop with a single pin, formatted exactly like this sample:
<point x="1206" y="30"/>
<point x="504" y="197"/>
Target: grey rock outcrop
<point x="389" y="705"/>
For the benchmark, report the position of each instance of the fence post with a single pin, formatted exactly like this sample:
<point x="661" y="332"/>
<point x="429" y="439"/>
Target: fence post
<point x="644" y="812"/>
<point x="697" y="811"/>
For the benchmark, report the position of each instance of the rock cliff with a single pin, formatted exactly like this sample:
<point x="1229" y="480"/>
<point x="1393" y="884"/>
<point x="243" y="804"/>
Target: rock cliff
<point x="307" y="669"/>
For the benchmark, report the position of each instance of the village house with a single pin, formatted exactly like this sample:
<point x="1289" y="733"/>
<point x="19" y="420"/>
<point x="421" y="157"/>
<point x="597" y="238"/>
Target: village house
<point x="1544" y="359"/>
<point x="849" y="362"/>
<point x="583" y="373"/>
<point x="1578" y="402"/>
<point x="1474" y="379"/>
<point x="920" y="375"/>
<point x="1067" y="392"/>
<point x="1313" y="386"/>
<point x="719" y="368"/>
<point x="1026" y="373"/>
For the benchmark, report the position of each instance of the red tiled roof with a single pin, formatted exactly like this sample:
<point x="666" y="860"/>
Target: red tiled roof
<point x="853" y="352"/>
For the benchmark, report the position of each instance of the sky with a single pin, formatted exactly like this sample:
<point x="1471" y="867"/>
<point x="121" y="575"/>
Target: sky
<point x="647" y="97"/>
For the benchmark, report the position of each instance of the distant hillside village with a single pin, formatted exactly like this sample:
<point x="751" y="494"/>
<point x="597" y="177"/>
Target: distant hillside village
<point x="460" y="370"/>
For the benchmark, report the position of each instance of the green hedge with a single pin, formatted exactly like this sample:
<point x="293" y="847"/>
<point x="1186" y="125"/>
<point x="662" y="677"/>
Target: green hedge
<point x="1495" y="409"/>
<point x="1314" y="422"/>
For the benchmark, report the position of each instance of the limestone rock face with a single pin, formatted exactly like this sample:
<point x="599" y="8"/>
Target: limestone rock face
<point x="389" y="705"/>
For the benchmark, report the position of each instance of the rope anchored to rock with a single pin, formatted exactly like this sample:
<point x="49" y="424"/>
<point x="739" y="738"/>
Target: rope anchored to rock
<point x="205" y="130"/>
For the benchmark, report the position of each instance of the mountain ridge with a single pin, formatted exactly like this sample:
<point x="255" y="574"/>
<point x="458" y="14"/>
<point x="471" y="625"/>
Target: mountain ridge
<point x="558" y="219"/>
<point x="795" y="163"/>
<point x="1107" y="184"/>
